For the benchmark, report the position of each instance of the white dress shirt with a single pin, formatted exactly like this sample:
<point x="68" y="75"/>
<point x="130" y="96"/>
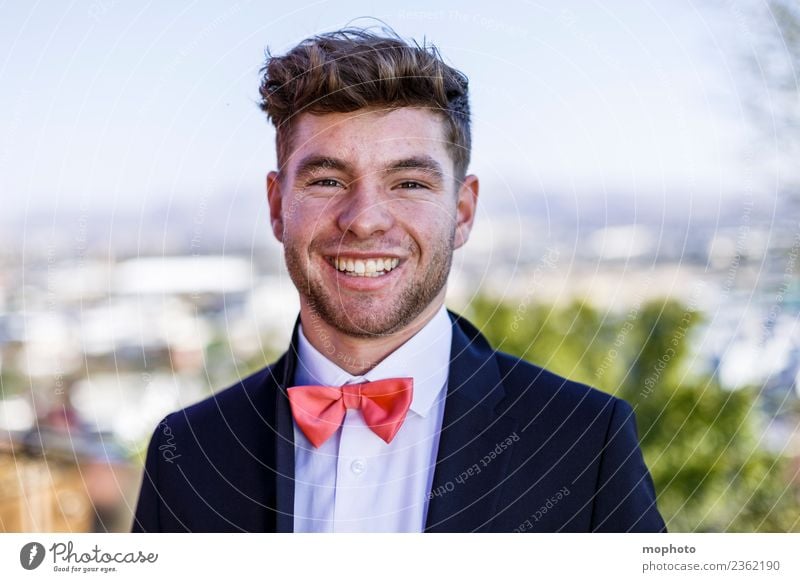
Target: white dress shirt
<point x="355" y="482"/>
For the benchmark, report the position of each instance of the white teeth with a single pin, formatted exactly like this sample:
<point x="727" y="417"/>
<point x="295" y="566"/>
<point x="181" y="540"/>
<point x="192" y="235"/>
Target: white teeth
<point x="366" y="268"/>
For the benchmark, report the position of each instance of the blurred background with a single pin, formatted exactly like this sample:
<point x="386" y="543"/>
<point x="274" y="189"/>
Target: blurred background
<point x="639" y="229"/>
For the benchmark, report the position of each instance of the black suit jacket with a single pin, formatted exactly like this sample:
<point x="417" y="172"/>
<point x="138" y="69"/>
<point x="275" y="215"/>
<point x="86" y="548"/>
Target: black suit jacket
<point x="521" y="449"/>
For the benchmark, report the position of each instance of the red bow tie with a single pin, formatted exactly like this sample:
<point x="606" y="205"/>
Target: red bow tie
<point x="320" y="410"/>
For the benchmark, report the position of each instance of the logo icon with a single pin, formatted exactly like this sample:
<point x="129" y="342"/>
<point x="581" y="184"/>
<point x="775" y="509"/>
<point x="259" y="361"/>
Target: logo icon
<point x="31" y="555"/>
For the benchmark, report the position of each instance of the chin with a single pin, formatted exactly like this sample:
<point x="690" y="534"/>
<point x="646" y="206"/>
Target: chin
<point x="367" y="326"/>
<point x="362" y="318"/>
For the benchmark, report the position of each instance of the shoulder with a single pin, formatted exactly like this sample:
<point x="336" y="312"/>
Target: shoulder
<point x="567" y="421"/>
<point x="530" y="380"/>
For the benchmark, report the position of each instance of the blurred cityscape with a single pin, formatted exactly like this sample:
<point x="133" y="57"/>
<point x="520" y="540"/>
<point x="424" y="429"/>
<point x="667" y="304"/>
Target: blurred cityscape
<point x="109" y="323"/>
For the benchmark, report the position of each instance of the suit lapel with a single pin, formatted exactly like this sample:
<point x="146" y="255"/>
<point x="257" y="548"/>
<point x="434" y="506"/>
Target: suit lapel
<point x="469" y="469"/>
<point x="284" y="440"/>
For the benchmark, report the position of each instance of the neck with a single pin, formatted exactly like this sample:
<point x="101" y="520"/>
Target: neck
<point x="358" y="355"/>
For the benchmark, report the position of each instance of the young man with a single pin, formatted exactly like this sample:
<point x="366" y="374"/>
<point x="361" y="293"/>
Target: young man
<point x="387" y="413"/>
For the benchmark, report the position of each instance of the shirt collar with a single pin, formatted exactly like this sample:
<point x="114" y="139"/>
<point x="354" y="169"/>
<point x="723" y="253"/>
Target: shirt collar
<point x="424" y="357"/>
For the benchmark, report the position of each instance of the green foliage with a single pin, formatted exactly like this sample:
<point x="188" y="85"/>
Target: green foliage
<point x="560" y="340"/>
<point x="12" y="382"/>
<point x="224" y="368"/>
<point x="703" y="444"/>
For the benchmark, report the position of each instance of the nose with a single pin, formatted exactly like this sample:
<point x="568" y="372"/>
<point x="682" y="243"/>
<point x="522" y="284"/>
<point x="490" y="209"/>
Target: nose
<point x="364" y="212"/>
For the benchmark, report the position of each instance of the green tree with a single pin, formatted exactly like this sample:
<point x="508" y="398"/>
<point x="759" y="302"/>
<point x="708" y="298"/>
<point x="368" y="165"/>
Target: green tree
<point x="704" y="445"/>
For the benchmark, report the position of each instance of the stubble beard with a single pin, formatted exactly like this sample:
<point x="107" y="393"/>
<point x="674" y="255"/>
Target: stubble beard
<point x="372" y="317"/>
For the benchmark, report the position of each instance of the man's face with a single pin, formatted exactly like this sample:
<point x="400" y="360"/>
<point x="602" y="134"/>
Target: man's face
<point x="369" y="213"/>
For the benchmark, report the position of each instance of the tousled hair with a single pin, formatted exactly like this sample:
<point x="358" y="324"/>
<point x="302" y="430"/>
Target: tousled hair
<point x="353" y="68"/>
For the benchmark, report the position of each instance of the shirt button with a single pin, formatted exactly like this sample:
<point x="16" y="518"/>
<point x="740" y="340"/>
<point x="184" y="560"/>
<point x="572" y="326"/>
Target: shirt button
<point x="358" y="466"/>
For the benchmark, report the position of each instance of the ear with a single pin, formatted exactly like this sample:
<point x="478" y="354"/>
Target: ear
<point x="465" y="209"/>
<point x="275" y="201"/>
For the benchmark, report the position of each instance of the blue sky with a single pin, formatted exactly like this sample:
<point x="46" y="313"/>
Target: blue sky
<point x="119" y="104"/>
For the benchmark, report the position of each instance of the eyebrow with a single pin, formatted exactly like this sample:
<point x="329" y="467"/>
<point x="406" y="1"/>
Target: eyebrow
<point x="312" y="164"/>
<point x="424" y="163"/>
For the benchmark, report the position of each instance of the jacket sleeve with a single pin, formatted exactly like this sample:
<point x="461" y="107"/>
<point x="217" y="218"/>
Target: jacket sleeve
<point x="148" y="508"/>
<point x="625" y="499"/>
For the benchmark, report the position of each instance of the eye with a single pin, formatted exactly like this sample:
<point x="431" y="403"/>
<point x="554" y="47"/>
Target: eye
<point x="410" y="185"/>
<point x="327" y="183"/>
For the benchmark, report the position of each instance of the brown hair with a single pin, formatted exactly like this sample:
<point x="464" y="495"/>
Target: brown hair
<point x="353" y="68"/>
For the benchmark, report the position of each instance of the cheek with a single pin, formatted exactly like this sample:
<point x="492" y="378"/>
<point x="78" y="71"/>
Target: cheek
<point x="430" y="221"/>
<point x="301" y="222"/>
<point x="423" y="216"/>
<point x="317" y="209"/>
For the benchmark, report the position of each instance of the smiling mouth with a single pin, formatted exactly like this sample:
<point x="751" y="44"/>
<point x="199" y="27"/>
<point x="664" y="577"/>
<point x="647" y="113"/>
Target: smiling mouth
<point x="372" y="267"/>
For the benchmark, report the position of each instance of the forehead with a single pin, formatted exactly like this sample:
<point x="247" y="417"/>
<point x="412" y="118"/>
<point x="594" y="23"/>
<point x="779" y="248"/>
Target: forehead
<point x="370" y="136"/>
